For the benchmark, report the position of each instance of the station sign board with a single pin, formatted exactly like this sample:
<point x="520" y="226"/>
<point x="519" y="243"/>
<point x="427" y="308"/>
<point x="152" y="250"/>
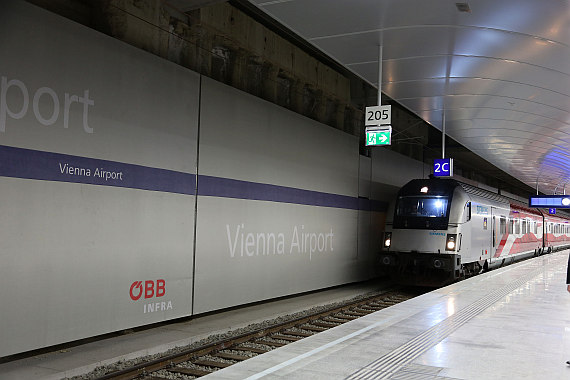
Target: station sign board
<point x="443" y="167"/>
<point x="549" y="201"/>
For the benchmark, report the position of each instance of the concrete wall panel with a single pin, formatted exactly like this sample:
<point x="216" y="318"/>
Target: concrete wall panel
<point x="97" y="171"/>
<point x="267" y="171"/>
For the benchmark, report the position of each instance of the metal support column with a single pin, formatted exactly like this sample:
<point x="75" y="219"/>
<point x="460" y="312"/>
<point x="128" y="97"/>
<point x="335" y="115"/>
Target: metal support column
<point x="443" y="135"/>
<point x="380" y="75"/>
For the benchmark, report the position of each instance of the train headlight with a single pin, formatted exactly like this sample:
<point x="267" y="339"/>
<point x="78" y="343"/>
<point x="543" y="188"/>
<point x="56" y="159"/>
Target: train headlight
<point x="387" y="239"/>
<point x="450" y="243"/>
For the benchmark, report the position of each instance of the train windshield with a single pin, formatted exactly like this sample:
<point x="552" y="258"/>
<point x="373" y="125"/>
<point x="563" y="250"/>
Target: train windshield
<point x="422" y="206"/>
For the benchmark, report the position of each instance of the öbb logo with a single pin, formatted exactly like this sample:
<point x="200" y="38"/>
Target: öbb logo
<point x="150" y="289"/>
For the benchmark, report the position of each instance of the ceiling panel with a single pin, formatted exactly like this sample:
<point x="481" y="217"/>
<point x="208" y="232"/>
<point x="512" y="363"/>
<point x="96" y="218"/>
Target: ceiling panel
<point x="500" y="73"/>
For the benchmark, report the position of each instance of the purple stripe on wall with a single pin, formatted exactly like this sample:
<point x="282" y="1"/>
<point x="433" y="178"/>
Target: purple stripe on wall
<point x="34" y="164"/>
<point x="47" y="166"/>
<point x="232" y="188"/>
<point x="372" y="205"/>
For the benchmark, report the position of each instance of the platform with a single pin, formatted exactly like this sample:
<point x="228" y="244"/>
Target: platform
<point x="509" y="323"/>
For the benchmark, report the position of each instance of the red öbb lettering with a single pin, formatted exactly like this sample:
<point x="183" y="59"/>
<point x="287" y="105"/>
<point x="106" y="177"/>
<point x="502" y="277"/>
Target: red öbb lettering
<point x="136" y="294"/>
<point x="150" y="289"/>
<point x="160" y="288"/>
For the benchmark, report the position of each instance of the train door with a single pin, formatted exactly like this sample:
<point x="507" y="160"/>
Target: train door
<point x="494" y="233"/>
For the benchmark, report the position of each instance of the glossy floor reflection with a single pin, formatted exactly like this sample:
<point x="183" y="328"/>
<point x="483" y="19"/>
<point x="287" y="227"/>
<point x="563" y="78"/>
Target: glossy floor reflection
<point x="513" y="322"/>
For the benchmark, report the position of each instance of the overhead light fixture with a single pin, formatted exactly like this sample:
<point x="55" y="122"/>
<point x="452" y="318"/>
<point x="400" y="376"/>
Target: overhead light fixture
<point x="463" y="7"/>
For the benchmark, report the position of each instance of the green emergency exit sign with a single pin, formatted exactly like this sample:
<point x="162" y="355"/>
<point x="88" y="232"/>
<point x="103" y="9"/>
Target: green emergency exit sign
<point x="378" y="136"/>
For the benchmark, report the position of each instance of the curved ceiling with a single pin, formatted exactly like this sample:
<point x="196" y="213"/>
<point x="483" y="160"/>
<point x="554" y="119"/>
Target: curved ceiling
<point x="500" y="71"/>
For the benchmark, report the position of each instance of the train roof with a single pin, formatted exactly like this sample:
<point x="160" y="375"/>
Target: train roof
<point x="470" y="189"/>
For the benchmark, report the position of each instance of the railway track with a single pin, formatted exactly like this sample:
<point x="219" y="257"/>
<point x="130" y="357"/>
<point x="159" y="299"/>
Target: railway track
<point x="197" y="362"/>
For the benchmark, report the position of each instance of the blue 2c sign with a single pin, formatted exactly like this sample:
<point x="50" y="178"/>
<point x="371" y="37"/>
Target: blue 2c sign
<point x="443" y="167"/>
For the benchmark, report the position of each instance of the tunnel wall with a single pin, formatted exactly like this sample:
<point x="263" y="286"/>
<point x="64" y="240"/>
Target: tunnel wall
<point x="137" y="191"/>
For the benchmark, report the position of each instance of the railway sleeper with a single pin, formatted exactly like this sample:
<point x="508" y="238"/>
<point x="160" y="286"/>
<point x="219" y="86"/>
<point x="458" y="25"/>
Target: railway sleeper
<point x="230" y="356"/>
<point x="326" y="325"/>
<point x="361" y="312"/>
<point x="316" y="329"/>
<point x="369" y="308"/>
<point x="401" y="298"/>
<point x="383" y="304"/>
<point x="255" y="350"/>
<point x="297" y="333"/>
<point x="286" y="337"/>
<point x="271" y="344"/>
<point x="343" y="317"/>
<point x="190" y="371"/>
<point x="335" y="319"/>
<point x="211" y="363"/>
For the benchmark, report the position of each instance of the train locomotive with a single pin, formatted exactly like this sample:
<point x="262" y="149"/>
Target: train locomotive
<point x="444" y="230"/>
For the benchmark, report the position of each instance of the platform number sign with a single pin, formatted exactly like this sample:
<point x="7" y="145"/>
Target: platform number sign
<point x="552" y="211"/>
<point x="378" y="115"/>
<point x="443" y="167"/>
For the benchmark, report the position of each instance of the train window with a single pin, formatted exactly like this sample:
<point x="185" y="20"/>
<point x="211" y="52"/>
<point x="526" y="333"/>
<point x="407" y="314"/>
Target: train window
<point x="503" y="225"/>
<point x="529" y="226"/>
<point x="511" y="226"/>
<point x="422" y="206"/>
<point x="467" y="211"/>
<point x="524" y="227"/>
<point x="517" y="227"/>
